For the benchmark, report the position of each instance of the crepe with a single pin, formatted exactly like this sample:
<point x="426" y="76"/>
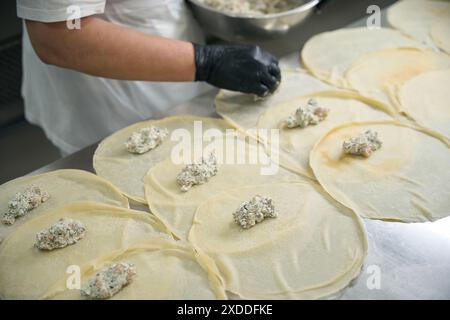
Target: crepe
<point x="405" y="180"/>
<point x="126" y="170"/>
<point x="381" y="73"/>
<point x="441" y="35"/>
<point x="295" y="144"/>
<point x="313" y="249"/>
<point x="28" y="273"/>
<point x="328" y="55"/>
<point x="416" y="17"/>
<point x="165" y="270"/>
<point x="64" y="187"/>
<point x="426" y="98"/>
<point x="242" y="110"/>
<point x="250" y="165"/>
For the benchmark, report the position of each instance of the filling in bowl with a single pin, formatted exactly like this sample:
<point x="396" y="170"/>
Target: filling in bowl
<point x="252" y="7"/>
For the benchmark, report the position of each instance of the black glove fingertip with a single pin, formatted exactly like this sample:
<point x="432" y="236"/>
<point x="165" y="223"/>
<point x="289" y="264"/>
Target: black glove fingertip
<point x="277" y="84"/>
<point x="275" y="71"/>
<point x="262" y="91"/>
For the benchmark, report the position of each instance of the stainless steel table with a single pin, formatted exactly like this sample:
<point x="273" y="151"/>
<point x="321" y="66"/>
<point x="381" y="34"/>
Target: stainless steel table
<point x="405" y="261"/>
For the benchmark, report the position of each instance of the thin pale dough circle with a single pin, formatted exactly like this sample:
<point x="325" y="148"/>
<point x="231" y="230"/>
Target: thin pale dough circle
<point x="441" y="35"/>
<point x="381" y="73"/>
<point x="405" y="180"/>
<point x="64" y="186"/>
<point x="177" y="208"/>
<point x="28" y="273"/>
<point x="126" y="170"/>
<point x="165" y="270"/>
<point x="312" y="250"/>
<point x="242" y="110"/>
<point x="416" y="17"/>
<point x="426" y="99"/>
<point x="295" y="144"/>
<point x="328" y="55"/>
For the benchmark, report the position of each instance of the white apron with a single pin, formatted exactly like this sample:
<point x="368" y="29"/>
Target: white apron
<point x="76" y="109"/>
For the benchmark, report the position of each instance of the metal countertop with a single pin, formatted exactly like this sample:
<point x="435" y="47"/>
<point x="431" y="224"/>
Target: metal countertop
<point x="412" y="261"/>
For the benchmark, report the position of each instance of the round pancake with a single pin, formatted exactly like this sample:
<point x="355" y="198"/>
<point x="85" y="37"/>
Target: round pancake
<point x="405" y="180"/>
<point x="312" y="250"/>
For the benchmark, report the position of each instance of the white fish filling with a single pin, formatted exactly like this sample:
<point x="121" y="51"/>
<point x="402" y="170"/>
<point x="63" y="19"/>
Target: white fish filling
<point x="254" y="211"/>
<point x="63" y="233"/>
<point x="252" y="7"/>
<point x="24" y="202"/>
<point x="146" y="139"/>
<point x="109" y="281"/>
<point x="362" y="145"/>
<point x="197" y="173"/>
<point x="306" y="116"/>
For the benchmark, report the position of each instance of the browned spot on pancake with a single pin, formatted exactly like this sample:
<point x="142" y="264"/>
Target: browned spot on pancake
<point x="341" y="161"/>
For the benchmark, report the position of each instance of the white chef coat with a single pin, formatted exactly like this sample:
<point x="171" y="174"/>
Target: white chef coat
<point x="76" y="109"/>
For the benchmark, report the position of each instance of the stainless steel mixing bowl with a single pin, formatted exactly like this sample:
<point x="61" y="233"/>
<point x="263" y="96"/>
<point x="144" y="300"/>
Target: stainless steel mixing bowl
<point x="237" y="28"/>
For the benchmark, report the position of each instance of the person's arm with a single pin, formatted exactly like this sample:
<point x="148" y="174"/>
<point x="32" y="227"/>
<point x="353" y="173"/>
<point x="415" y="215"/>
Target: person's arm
<point x="103" y="49"/>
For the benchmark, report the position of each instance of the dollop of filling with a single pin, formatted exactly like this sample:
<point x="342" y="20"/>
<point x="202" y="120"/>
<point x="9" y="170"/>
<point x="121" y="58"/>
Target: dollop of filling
<point x="306" y="116"/>
<point x="23" y="202"/>
<point x="146" y="139"/>
<point x="254" y="211"/>
<point x="362" y="145"/>
<point x="197" y="173"/>
<point x="109" y="281"/>
<point x="63" y="233"/>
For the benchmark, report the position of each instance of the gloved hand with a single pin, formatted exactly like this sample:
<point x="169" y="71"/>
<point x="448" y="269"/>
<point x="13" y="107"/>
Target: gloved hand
<point x="243" y="68"/>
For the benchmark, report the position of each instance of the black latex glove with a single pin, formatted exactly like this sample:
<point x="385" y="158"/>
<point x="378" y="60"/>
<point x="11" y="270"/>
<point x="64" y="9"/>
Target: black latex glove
<point x="243" y="68"/>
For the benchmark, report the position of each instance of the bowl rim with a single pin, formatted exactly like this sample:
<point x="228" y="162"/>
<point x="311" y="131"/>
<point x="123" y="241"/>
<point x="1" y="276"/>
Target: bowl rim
<point x="304" y="7"/>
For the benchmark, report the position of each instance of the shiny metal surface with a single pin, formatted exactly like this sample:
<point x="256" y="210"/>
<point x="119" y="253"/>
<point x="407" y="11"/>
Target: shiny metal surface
<point x="411" y="260"/>
<point x="236" y="28"/>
